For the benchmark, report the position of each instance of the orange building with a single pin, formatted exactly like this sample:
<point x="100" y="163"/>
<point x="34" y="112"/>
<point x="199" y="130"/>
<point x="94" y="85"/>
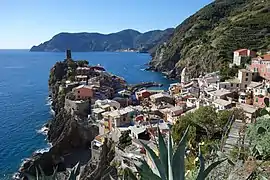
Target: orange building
<point x="83" y="92"/>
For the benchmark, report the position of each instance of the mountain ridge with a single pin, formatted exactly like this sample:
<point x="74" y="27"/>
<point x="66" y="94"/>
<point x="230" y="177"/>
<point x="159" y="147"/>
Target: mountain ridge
<point x="205" y="41"/>
<point x="125" y="39"/>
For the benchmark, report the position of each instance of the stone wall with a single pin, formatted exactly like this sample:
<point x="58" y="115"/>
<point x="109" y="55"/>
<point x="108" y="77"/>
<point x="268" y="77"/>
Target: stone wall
<point x="78" y="107"/>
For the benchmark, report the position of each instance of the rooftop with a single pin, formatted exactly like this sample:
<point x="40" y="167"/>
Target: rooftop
<point x="241" y="50"/>
<point x="220" y="92"/>
<point x="159" y="95"/>
<point x="98" y="110"/>
<point x="83" y="68"/>
<point x="137" y="129"/>
<point x="247" y="108"/>
<point x="222" y="102"/>
<point x="235" y="80"/>
<point x="244" y="70"/>
<point x="266" y="57"/>
<point x="254" y="84"/>
<point x="84" y="86"/>
<point x="81" y="76"/>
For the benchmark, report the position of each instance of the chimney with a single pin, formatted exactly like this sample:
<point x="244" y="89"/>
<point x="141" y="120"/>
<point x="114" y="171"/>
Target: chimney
<point x="68" y="54"/>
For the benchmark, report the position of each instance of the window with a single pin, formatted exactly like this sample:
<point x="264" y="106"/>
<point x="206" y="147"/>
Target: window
<point x="237" y="85"/>
<point x="78" y="92"/>
<point x="124" y="119"/>
<point x="231" y="84"/>
<point x="256" y="100"/>
<point x="246" y="79"/>
<point x="245" y="86"/>
<point x="225" y="86"/>
<point x="246" y="74"/>
<point x="79" y="97"/>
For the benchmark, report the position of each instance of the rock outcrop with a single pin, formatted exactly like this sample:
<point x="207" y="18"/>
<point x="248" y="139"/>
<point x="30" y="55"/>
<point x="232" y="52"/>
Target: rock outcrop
<point x="67" y="132"/>
<point x="102" y="169"/>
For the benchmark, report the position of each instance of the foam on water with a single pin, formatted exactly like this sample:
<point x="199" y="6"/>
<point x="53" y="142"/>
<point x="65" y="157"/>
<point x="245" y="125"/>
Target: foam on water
<point x="44" y="130"/>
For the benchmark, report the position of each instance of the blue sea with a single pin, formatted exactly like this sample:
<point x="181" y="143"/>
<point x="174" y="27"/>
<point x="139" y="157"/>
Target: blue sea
<point x="24" y="106"/>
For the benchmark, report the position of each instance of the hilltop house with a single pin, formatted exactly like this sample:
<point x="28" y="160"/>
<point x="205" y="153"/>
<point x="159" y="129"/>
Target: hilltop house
<point x="240" y="56"/>
<point x="243" y="80"/>
<point x="261" y="65"/>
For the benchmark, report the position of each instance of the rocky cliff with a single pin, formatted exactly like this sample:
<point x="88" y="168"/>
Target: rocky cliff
<point x="126" y="39"/>
<point x="205" y="41"/>
<point x="68" y="133"/>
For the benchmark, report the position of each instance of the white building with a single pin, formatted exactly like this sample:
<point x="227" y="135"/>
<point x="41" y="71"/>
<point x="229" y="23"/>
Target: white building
<point x="221" y="104"/>
<point x="240" y="56"/>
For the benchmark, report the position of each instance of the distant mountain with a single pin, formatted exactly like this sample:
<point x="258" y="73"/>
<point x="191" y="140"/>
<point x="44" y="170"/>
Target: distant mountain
<point x="205" y="41"/>
<point x="123" y="40"/>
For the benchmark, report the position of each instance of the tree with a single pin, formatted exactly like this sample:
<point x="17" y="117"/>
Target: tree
<point x="259" y="134"/>
<point x="82" y="63"/>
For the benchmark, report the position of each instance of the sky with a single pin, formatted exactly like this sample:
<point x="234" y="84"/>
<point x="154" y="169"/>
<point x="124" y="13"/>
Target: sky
<point x="25" y="23"/>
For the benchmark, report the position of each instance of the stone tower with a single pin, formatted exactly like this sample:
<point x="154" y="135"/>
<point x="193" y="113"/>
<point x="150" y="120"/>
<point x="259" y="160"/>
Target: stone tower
<point x="68" y="54"/>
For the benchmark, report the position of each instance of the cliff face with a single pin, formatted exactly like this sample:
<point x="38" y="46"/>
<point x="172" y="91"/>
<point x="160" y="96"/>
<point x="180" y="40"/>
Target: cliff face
<point x="83" y="42"/>
<point x="205" y="41"/>
<point x="67" y="132"/>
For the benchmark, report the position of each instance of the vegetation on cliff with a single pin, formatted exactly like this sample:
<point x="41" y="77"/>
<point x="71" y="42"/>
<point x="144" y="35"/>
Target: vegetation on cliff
<point x="126" y="39"/>
<point x="205" y="41"/>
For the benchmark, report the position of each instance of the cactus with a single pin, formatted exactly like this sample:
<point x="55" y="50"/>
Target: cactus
<point x="171" y="164"/>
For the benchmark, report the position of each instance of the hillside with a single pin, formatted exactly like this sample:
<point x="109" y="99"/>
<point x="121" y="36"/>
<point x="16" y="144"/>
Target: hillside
<point x="205" y="41"/>
<point x="83" y="42"/>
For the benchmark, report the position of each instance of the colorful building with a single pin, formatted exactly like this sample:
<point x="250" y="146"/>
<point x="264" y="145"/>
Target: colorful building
<point x="141" y="95"/>
<point x="83" y="92"/>
<point x="261" y="65"/>
<point x="240" y="56"/>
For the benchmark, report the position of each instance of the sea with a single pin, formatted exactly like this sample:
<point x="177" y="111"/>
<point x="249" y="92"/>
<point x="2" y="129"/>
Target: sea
<point x="24" y="103"/>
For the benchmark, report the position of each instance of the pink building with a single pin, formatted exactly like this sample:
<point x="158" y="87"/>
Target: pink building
<point x="83" y="92"/>
<point x="240" y="56"/>
<point x="261" y="64"/>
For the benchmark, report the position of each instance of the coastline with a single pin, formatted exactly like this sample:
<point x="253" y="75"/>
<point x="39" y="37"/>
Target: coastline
<point x="59" y="137"/>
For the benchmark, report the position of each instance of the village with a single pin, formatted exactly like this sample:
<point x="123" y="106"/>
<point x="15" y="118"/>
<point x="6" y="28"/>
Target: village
<point x="118" y="110"/>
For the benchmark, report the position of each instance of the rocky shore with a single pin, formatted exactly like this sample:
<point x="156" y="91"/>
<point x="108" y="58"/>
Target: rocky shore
<point x="69" y="134"/>
<point x="72" y="129"/>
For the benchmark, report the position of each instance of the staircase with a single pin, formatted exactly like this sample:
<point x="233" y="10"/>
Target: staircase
<point x="234" y="137"/>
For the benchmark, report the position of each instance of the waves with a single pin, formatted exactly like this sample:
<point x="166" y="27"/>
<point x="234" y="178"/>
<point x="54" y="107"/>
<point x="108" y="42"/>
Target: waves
<point x="42" y="150"/>
<point x="44" y="130"/>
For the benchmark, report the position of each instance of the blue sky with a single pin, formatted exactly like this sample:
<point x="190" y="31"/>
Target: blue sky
<point x="29" y="22"/>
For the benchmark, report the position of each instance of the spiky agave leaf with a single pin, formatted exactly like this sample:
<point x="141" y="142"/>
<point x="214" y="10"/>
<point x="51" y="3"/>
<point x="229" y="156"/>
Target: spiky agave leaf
<point x="146" y="172"/>
<point x="156" y="161"/>
<point x="178" y="159"/>
<point x="128" y="175"/>
<point x="170" y="155"/>
<point x="203" y="173"/>
<point x="202" y="165"/>
<point x="75" y="171"/>
<point x="163" y="152"/>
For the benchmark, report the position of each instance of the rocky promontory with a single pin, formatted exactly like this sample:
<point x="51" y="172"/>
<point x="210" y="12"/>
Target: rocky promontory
<point x="71" y="130"/>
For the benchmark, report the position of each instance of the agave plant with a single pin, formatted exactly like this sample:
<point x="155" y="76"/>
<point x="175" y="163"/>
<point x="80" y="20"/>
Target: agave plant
<point x="73" y="174"/>
<point x="171" y="161"/>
